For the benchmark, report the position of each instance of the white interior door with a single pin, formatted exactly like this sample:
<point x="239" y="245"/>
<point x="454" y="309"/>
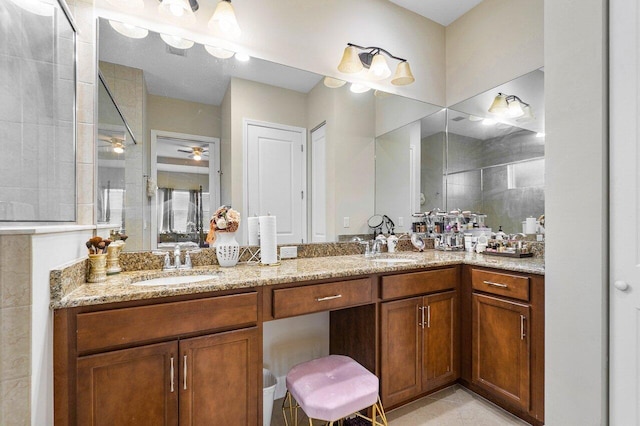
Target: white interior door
<point x="276" y="177"/>
<point x="624" y="399"/>
<point x="318" y="185"/>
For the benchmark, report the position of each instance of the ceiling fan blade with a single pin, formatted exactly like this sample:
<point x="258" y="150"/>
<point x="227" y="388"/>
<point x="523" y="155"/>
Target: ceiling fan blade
<point x="188" y="151"/>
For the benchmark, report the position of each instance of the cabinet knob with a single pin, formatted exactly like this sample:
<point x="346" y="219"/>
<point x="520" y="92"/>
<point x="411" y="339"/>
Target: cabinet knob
<point x="621" y="285"/>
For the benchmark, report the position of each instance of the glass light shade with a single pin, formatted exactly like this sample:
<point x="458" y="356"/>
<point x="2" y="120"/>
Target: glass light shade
<point x="127" y="4"/>
<point x="129" y="30"/>
<point x="475" y="118"/>
<point x="378" y="70"/>
<point x="359" y="88"/>
<point x="177" y="11"/>
<point x="515" y="109"/>
<point x="177" y="42"/>
<point x="37" y="7"/>
<point x="350" y="63"/>
<point x="527" y="115"/>
<point x="242" y="57"/>
<point x="403" y="75"/>
<point x="333" y="83"/>
<point x="488" y="122"/>
<point x="197" y="156"/>
<point x="224" y="20"/>
<point x="219" y="52"/>
<point x="499" y="104"/>
<point x="381" y="94"/>
<point x="118" y="147"/>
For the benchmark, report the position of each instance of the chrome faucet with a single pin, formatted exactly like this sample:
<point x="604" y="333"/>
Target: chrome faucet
<point x="377" y="243"/>
<point x="176" y="256"/>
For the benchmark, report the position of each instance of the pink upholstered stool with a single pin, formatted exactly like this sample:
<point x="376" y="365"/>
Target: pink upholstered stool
<point x="332" y="388"/>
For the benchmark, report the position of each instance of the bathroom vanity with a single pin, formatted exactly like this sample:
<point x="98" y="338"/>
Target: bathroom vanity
<point x="191" y="353"/>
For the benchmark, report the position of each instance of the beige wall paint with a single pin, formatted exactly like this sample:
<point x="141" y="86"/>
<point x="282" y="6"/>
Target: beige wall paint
<point x="576" y="282"/>
<point x="175" y="115"/>
<point x="226" y="165"/>
<point x="493" y="43"/>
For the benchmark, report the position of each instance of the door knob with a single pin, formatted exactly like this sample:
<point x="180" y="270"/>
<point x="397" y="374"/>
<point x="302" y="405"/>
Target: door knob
<point x="621" y="285"/>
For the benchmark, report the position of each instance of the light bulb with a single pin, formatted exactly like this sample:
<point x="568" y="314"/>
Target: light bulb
<point x="488" y="121"/>
<point x="515" y="109"/>
<point x="176" y="10"/>
<point x="379" y="69"/>
<point x="359" y="88"/>
<point x="242" y="57"/>
<point x="197" y="157"/>
<point x="540" y="135"/>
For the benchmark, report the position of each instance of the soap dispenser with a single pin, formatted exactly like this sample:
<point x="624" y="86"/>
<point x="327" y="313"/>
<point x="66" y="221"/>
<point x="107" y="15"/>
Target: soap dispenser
<point x="392" y="242"/>
<point x="500" y="235"/>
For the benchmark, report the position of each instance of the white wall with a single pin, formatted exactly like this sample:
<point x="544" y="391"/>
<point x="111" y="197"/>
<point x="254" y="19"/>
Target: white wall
<point x="576" y="279"/>
<point x="48" y="252"/>
<point x="495" y="42"/>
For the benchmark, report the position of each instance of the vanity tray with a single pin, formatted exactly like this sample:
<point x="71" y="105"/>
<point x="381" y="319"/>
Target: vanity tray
<point x="503" y="254"/>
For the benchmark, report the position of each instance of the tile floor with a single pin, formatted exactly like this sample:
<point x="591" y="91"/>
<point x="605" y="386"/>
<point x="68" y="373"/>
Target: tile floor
<point x="453" y="406"/>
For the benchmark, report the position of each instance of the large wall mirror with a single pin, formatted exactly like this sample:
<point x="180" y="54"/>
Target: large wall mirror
<point x="267" y="138"/>
<point x="260" y="136"/>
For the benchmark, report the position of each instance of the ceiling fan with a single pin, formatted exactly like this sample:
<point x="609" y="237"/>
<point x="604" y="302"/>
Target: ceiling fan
<point x="196" y="152"/>
<point x="114" y="143"/>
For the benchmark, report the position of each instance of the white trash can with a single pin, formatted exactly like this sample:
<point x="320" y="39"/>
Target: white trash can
<point x="269" y="383"/>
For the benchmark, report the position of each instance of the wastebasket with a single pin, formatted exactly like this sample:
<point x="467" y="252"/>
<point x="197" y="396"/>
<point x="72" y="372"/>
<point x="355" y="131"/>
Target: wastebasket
<point x="269" y="382"/>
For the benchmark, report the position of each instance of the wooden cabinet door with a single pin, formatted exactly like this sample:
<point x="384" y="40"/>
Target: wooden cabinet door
<point x="129" y="387"/>
<point x="400" y="350"/>
<point x="219" y="379"/>
<point x="500" y="354"/>
<point x="440" y="343"/>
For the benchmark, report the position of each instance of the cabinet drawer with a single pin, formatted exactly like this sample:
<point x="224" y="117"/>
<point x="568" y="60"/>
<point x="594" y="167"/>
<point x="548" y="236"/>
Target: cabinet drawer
<point x="321" y="297"/>
<point x="514" y="286"/>
<point x="119" y="327"/>
<point x="415" y="283"/>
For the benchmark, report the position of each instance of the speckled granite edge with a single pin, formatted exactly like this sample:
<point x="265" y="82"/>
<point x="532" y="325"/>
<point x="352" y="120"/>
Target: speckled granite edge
<point x="68" y="278"/>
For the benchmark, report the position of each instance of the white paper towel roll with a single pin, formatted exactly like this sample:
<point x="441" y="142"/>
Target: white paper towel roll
<point x="530" y="225"/>
<point x="268" y="240"/>
<point x="253" y="224"/>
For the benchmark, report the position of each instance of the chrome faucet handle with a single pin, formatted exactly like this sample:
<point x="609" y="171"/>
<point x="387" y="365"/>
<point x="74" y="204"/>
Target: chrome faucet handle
<point x="367" y="252"/>
<point x="187" y="261"/>
<point x="167" y="261"/>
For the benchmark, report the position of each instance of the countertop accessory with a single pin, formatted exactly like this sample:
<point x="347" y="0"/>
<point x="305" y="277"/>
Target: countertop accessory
<point x="227" y="249"/>
<point x="417" y="241"/>
<point x="113" y="257"/>
<point x="97" y="268"/>
<point x="268" y="240"/>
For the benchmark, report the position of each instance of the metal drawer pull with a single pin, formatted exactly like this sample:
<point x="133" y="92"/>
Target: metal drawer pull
<point x="322" y="299"/>
<point x="172" y="374"/>
<point x="185" y="372"/>
<point x="522" y="319"/>
<point x="428" y="316"/>
<point x="492" y="284"/>
<point x="421" y="323"/>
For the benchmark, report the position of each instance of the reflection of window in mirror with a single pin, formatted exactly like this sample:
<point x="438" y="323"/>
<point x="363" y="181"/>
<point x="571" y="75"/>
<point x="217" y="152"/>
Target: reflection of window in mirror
<point x="180" y="214"/>
<point x="111" y="206"/>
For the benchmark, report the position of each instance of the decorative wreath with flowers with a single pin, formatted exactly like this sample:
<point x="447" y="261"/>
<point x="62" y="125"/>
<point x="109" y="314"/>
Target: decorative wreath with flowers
<point x="225" y="219"/>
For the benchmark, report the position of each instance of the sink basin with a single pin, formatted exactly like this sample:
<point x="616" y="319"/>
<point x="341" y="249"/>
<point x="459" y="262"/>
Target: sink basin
<point x="393" y="260"/>
<point x="180" y="279"/>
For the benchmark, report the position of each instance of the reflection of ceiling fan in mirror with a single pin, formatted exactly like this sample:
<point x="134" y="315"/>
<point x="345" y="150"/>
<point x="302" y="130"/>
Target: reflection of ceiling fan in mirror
<point x="111" y="143"/>
<point x="196" y="152"/>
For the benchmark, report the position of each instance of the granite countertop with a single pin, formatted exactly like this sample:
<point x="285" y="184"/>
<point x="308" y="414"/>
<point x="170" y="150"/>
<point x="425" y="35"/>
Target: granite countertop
<point x="121" y="287"/>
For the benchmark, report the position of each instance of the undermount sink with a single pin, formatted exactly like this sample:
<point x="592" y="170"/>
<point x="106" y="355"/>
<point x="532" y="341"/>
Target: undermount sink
<point x="393" y="260"/>
<point x="179" y="279"/>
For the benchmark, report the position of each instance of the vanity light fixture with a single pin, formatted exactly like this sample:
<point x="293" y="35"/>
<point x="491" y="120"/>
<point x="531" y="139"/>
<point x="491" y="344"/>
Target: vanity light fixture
<point x="177" y="42"/>
<point x="129" y="30"/>
<point x="510" y="106"/>
<point x="219" y="52"/>
<point x="178" y="11"/>
<point x="373" y="59"/>
<point x="333" y="83"/>
<point x="224" y="20"/>
<point x="127" y="4"/>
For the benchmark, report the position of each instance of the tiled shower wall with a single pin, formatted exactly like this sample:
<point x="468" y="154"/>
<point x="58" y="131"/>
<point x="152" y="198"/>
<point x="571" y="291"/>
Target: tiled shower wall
<point x="15" y="329"/>
<point x="37" y="170"/>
